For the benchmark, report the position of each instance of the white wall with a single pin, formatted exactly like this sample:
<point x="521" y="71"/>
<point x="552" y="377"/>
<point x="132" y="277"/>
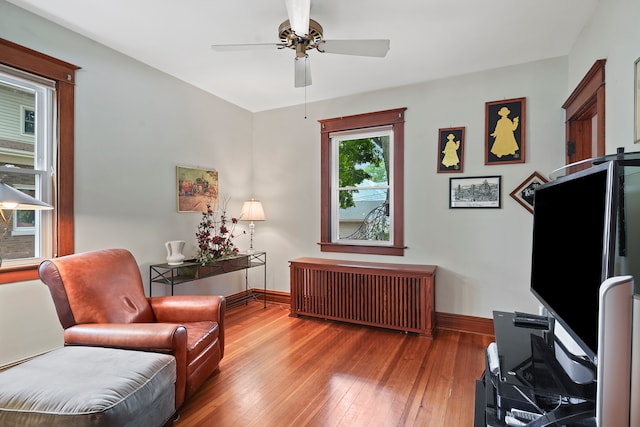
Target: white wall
<point x="483" y="255"/>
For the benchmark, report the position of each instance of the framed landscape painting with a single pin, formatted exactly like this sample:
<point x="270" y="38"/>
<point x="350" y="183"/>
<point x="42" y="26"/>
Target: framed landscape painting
<point x="196" y="188"/>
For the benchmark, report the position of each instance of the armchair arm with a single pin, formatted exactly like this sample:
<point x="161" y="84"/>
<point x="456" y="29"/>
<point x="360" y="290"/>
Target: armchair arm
<point x="188" y="308"/>
<point x="191" y="308"/>
<point x="158" y="337"/>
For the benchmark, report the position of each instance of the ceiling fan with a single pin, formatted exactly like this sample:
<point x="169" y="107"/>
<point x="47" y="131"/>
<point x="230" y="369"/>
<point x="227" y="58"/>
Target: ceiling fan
<point x="301" y="34"/>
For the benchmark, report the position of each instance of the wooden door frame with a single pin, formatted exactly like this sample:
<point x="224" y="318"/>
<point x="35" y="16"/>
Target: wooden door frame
<point x="586" y="102"/>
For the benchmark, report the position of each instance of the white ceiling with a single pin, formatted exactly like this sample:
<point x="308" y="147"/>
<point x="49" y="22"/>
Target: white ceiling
<point x="430" y="39"/>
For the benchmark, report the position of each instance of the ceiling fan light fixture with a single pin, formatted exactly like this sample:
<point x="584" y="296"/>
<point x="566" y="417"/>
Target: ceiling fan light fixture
<point x="302" y="72"/>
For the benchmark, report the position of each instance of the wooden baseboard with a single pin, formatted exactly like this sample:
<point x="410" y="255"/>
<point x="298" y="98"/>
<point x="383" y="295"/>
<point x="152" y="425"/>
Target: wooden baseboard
<point x="277" y="297"/>
<point x="456" y="322"/>
<point x="460" y="322"/>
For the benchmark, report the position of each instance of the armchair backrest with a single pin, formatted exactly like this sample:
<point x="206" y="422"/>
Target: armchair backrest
<point x="103" y="286"/>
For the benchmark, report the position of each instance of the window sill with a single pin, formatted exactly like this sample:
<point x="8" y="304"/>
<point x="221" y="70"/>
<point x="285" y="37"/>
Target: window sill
<point x="362" y="249"/>
<point x="18" y="274"/>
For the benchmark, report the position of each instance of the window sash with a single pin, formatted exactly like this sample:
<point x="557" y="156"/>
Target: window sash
<point x="43" y="153"/>
<point x="336" y="138"/>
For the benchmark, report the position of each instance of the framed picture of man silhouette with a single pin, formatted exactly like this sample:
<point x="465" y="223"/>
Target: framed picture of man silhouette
<point x="505" y="131"/>
<point x="451" y="150"/>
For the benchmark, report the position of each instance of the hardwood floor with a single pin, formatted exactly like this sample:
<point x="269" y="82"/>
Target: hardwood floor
<point x="284" y="371"/>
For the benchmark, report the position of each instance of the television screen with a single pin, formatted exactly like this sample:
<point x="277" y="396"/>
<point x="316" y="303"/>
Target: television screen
<point x="574" y="248"/>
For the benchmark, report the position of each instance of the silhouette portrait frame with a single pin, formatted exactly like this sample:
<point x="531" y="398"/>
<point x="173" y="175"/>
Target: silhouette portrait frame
<point x="523" y="193"/>
<point x="505" y="130"/>
<point x="451" y="150"/>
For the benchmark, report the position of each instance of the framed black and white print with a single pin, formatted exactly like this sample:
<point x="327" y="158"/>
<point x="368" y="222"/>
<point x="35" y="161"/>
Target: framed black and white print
<point x="475" y="192"/>
<point x="524" y="192"/>
<point x="450" y="150"/>
<point x="505" y="131"/>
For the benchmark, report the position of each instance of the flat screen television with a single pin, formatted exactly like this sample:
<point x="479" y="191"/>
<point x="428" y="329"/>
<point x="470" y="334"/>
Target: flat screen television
<point x="573" y="252"/>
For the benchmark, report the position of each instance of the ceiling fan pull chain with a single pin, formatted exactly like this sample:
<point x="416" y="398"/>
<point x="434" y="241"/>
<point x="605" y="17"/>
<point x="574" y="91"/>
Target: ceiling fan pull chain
<point x="305" y="87"/>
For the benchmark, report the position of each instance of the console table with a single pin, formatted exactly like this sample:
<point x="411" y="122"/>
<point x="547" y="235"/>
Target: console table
<point x="189" y="271"/>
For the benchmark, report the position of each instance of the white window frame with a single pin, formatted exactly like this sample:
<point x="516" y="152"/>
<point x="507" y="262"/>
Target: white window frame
<point x="336" y="138"/>
<point x="43" y="160"/>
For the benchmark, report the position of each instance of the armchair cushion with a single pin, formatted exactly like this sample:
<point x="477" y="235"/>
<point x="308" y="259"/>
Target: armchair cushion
<point x="100" y="301"/>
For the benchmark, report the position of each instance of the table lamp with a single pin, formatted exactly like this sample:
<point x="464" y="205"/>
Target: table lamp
<point x="15" y="200"/>
<point x="252" y="211"/>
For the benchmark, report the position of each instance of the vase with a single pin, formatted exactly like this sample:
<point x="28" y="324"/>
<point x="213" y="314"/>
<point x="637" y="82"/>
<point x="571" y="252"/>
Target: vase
<point x="174" y="252"/>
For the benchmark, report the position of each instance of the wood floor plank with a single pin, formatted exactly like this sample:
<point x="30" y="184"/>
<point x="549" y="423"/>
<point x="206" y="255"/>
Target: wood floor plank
<point x="285" y="371"/>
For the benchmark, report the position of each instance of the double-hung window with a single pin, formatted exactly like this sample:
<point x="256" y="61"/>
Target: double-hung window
<point x="362" y="196"/>
<point x="36" y="157"/>
<point x="361" y="191"/>
<point x="26" y="163"/>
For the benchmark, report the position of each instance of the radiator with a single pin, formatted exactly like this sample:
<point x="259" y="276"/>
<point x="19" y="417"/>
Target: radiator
<point x="393" y="296"/>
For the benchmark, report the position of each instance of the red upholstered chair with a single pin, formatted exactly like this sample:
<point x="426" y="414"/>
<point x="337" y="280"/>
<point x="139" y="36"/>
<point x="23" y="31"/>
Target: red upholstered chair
<point x="100" y="301"/>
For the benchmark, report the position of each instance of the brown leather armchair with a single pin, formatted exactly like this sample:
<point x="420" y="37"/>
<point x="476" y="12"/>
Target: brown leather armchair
<point x="100" y="301"/>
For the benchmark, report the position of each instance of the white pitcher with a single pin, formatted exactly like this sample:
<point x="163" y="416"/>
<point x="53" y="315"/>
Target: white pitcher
<point x="174" y="252"/>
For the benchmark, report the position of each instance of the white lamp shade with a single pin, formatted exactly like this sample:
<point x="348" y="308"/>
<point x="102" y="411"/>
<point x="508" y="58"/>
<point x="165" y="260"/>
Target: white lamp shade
<point x="10" y="198"/>
<point x="252" y="211"/>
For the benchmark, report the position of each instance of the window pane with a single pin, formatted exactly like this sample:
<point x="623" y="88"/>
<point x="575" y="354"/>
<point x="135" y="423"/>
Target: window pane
<point x="17" y="238"/>
<point x="368" y="218"/>
<point x="363" y="160"/>
<point x="363" y="187"/>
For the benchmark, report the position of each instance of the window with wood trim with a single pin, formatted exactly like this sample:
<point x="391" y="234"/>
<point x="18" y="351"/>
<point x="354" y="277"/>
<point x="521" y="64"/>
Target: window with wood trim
<point x="362" y="183"/>
<point x="41" y="74"/>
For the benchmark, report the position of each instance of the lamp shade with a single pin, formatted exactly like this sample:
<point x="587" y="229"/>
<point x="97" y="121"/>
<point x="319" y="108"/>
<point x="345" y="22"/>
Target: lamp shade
<point x="252" y="211"/>
<point x="10" y="198"/>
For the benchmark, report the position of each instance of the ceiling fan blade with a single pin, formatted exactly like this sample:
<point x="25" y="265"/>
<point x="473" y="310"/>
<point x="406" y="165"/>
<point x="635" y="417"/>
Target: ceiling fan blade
<point x="302" y="72"/>
<point x="377" y="48"/>
<point x="298" y="11"/>
<point x="246" y="46"/>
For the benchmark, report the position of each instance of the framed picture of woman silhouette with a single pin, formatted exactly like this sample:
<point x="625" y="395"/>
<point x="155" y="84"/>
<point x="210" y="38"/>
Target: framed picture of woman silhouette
<point x="451" y="150"/>
<point x="505" y="131"/>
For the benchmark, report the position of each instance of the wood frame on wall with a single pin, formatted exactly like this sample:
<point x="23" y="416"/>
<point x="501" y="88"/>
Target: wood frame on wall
<point x="505" y="131"/>
<point x="523" y="193"/>
<point x="450" y="150"/>
<point x="585" y="103"/>
<point x="63" y="73"/>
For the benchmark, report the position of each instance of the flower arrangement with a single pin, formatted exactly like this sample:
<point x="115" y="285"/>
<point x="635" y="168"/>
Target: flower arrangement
<point x="215" y="233"/>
